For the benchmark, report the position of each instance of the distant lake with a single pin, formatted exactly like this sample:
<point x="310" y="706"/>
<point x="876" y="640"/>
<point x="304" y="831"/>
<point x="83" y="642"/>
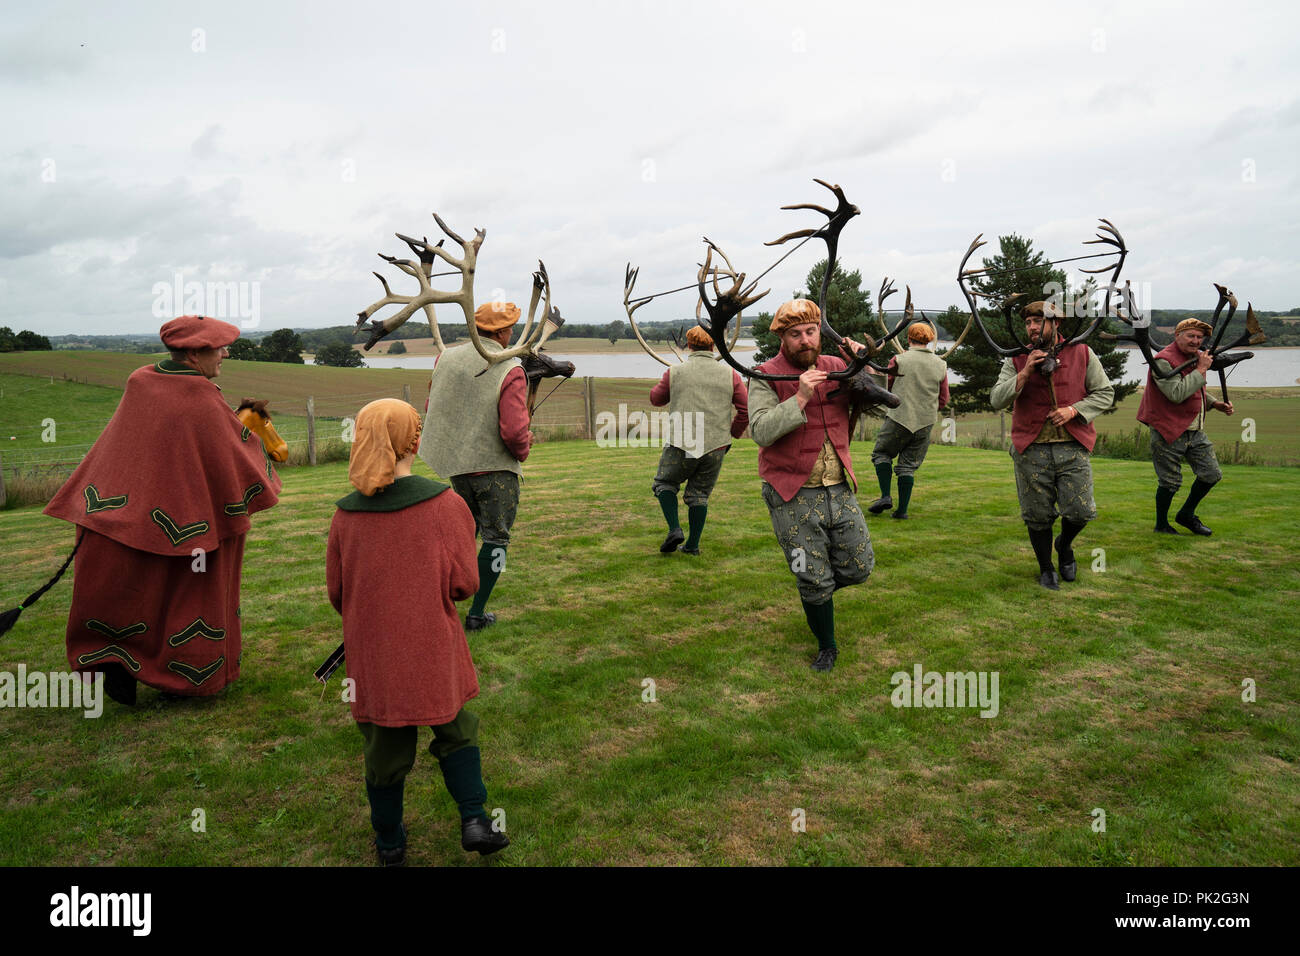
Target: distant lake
<point x="1270" y="368"/>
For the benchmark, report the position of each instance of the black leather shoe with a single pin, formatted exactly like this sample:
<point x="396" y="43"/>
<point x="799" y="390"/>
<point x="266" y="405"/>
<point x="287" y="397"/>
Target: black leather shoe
<point x="675" y="537"/>
<point x="476" y="622"/>
<point x="1049" y="580"/>
<point x="393" y="857"/>
<point x="119" y="684"/>
<point x="694" y="551"/>
<point x="825" y="659"/>
<point x="880" y="504"/>
<point x="900" y="515"/>
<point x="1165" y="529"/>
<point x="1194" y="525"/>
<point x="477" y="834"/>
<point x="1068" y="568"/>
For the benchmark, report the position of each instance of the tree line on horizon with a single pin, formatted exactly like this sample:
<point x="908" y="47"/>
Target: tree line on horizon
<point x="24" y="341"/>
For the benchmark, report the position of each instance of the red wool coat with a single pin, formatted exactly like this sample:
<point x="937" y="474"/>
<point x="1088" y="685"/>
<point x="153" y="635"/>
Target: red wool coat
<point x="788" y="461"/>
<point x="394" y="575"/>
<point x="163" y="502"/>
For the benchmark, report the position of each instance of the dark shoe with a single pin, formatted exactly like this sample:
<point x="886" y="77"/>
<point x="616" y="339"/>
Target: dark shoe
<point x="694" y="551"/>
<point x="1165" y="529"/>
<point x="394" y="857"/>
<point x="1068" y="568"/>
<point x="900" y="515"/>
<point x="476" y="622"/>
<point x="675" y="537"/>
<point x="119" y="684"/>
<point x="1049" y="580"/>
<point x="825" y="659"/>
<point x="1194" y="525"/>
<point x="880" y="504"/>
<point x="477" y="834"/>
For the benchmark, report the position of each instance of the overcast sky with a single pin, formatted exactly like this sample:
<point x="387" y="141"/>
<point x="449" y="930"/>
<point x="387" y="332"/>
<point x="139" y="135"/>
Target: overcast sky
<point x="282" y="145"/>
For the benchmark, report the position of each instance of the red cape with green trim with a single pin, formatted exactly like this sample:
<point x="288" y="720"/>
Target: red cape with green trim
<point x="173" y="471"/>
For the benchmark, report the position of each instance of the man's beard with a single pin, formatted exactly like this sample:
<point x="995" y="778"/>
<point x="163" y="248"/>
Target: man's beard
<point x="805" y="358"/>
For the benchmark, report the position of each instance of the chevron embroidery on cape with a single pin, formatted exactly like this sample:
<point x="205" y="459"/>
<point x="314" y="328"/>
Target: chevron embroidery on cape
<point x="198" y="627"/>
<point x="95" y="503"/>
<point x="241" y="507"/>
<point x="196" y="675"/>
<point x="177" y="533"/>
<point x="117" y="634"/>
<point x="112" y="650"/>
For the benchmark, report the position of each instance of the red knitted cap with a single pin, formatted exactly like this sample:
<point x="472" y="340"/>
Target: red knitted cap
<point x="197" y="332"/>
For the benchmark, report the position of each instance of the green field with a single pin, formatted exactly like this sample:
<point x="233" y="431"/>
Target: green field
<point x="27" y="399"/>
<point x="1121" y="693"/>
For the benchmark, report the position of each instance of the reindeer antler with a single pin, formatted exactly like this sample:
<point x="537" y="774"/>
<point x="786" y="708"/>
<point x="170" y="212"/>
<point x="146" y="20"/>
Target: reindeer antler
<point x="427" y="296"/>
<point x="1078" y="332"/>
<point x="529" y="340"/>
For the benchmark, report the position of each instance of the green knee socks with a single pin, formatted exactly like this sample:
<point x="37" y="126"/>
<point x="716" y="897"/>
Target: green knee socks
<point x="884" y="472"/>
<point x="488" y="556"/>
<point x="462" y="772"/>
<point x="695" y="517"/>
<point x="1164" y="498"/>
<point x="821" y="620"/>
<point x="386" y="815"/>
<point x="668" y="502"/>
<point x="905" y="483"/>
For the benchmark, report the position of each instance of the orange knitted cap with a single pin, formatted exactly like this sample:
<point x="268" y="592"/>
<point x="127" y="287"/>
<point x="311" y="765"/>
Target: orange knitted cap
<point x="795" y="312"/>
<point x="495" y="316"/>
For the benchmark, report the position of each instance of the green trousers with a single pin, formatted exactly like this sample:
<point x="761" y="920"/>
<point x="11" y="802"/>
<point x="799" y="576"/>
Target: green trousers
<point x="390" y="751"/>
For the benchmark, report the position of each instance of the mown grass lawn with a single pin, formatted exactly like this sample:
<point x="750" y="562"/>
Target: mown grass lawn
<point x="1121" y="693"/>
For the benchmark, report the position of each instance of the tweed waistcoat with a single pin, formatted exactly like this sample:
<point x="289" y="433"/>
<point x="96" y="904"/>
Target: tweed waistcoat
<point x="699" y="404"/>
<point x="921" y="372"/>
<point x="462" y="430"/>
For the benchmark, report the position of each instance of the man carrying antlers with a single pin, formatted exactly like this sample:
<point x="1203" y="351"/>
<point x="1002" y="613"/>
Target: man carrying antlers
<point x="476" y="435"/>
<point x="921" y="383"/>
<point x="700" y="394"/>
<point x="1052" y="436"/>
<point x="1175" y="409"/>
<point x="803" y="434"/>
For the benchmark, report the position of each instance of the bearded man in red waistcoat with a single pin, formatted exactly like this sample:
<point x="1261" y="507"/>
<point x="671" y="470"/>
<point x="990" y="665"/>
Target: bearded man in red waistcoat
<point x="803" y="434"/>
<point x="1175" y="409"/>
<point x="1052" y="437"/>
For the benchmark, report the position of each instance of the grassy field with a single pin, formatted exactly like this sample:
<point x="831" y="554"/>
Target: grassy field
<point x="340" y="393"/>
<point x="1121" y="693"/>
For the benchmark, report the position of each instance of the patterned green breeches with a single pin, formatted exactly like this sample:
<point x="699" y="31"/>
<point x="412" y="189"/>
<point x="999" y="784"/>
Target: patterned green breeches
<point x="895" y="441"/>
<point x="390" y="751"/>
<point x="700" y="474"/>
<point x="824" y="538"/>
<point x="1168" y="459"/>
<point x="1052" y="475"/>
<point x="493" y="499"/>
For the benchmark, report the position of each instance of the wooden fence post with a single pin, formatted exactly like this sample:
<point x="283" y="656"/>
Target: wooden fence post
<point x="2" y="483"/>
<point x="311" y="430"/>
<point x="589" y="405"/>
<point x="1002" y="437"/>
<point x="406" y="394"/>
